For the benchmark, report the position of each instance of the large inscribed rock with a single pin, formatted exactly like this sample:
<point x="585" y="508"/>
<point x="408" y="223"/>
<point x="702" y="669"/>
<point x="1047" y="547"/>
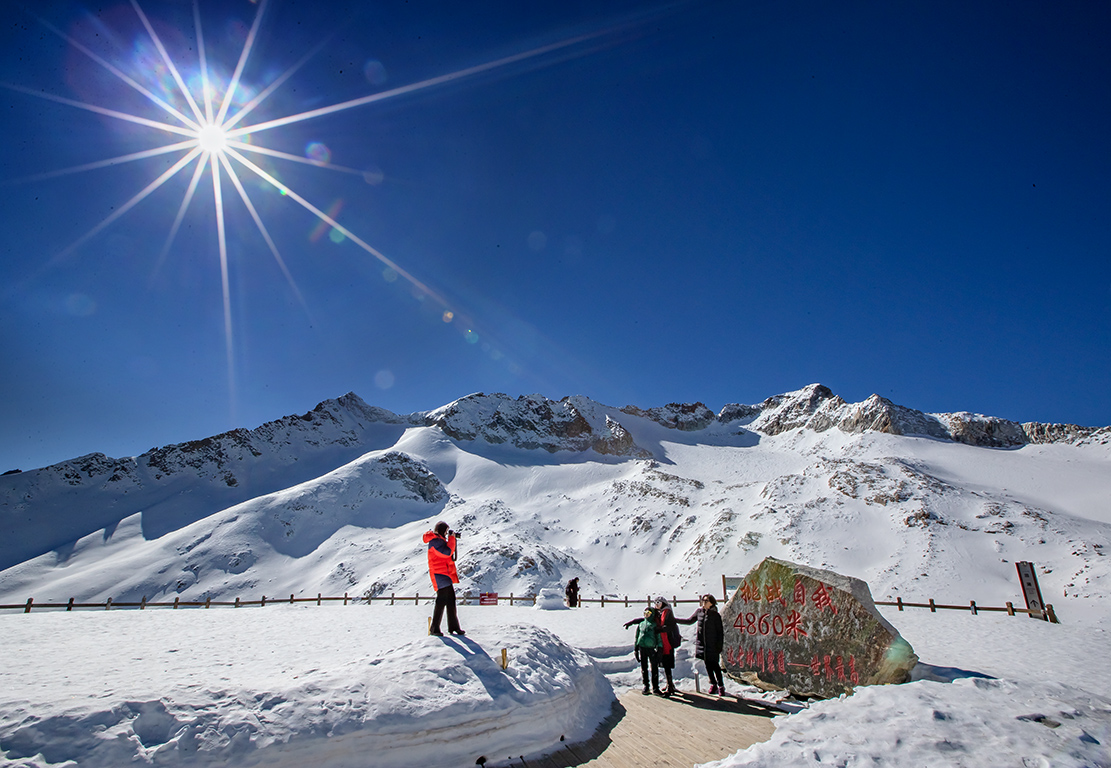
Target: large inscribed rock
<point x="811" y="632"/>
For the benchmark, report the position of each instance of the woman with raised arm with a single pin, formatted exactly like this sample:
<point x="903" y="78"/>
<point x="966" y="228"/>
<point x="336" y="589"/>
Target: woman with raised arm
<point x="709" y="638"/>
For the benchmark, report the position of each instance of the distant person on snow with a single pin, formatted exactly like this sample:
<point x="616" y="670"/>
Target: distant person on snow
<point x="671" y="638"/>
<point x="572" y="593"/>
<point x="646" y="648"/>
<point x="709" y="638"/>
<point x="441" y="567"/>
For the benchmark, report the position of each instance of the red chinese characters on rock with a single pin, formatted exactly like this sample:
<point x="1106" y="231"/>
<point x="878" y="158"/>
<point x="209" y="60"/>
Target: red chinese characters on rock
<point x="822" y="598"/>
<point x="768" y="624"/>
<point x="769" y="660"/>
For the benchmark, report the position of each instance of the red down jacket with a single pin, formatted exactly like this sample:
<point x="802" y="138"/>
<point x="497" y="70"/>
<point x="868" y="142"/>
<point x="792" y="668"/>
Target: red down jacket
<point x="441" y="566"/>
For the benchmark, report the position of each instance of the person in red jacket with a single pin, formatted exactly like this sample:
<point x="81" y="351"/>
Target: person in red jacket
<point x="441" y="567"/>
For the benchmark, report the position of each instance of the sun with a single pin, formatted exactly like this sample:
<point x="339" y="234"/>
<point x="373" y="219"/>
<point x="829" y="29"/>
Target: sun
<point x="209" y="128"/>
<point x="212" y="138"/>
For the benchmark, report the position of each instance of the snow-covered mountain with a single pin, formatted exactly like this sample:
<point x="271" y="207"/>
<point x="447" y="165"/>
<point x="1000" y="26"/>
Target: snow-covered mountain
<point x="630" y="500"/>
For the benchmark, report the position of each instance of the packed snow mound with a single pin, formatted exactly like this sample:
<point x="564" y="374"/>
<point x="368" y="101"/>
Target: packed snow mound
<point x="288" y="686"/>
<point x="1049" y="724"/>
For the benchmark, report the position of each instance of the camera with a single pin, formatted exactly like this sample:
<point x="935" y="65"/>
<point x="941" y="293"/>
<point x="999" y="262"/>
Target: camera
<point x="456" y="534"/>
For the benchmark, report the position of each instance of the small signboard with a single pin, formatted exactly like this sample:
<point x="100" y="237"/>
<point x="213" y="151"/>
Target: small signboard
<point x="487" y="598"/>
<point x="729" y="585"/>
<point x="1030" y="590"/>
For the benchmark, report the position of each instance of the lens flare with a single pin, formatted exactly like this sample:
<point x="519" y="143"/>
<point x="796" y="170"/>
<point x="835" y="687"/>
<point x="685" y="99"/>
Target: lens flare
<point x="204" y="112"/>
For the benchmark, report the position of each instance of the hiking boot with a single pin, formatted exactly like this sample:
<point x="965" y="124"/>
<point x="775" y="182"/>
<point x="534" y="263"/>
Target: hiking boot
<point x="657" y="691"/>
<point x="713" y="690"/>
<point x="435" y="633"/>
<point x="457" y="632"/>
<point x="646" y="692"/>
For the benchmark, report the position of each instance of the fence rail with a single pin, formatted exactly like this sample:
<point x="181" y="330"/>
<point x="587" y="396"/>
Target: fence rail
<point x="1047" y="615"/>
<point x="466" y="599"/>
<point x="320" y="599"/>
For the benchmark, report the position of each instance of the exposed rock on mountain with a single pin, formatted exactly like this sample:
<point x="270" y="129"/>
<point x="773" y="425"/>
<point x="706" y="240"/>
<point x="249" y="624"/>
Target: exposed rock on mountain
<point x="534" y="421"/>
<point x="816" y="407"/>
<point x="686" y="417"/>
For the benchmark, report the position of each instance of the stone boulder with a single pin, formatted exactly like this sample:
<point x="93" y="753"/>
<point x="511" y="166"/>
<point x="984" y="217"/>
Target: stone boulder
<point x="812" y="632"/>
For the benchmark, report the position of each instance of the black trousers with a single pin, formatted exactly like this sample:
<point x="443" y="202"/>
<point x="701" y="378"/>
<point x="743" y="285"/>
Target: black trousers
<point x="652" y="658"/>
<point x="445" y="599"/>
<point x="713" y="670"/>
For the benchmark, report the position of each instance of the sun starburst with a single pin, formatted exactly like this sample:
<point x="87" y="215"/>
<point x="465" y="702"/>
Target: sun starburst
<point x="213" y="136"/>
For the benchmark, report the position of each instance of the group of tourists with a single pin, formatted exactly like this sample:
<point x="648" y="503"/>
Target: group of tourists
<point x="657" y="635"/>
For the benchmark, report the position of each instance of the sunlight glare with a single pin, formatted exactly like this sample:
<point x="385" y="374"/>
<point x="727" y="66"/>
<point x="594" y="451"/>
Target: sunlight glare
<point x="212" y="138"/>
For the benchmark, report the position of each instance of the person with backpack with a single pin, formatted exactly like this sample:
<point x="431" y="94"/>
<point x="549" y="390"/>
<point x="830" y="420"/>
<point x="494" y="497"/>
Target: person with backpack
<point x="671" y="639"/>
<point x="572" y="593"/>
<point x="709" y="639"/>
<point x="646" y="648"/>
<point x="441" y="567"/>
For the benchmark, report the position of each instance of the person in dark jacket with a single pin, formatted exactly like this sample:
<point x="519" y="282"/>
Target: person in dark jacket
<point x="572" y="593"/>
<point x="441" y="567"/>
<point x="708" y="641"/>
<point x="646" y="648"/>
<point x="671" y="639"/>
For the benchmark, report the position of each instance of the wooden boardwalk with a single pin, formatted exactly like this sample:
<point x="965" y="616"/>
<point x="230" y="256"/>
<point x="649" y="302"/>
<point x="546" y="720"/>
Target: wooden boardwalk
<point x="679" y="732"/>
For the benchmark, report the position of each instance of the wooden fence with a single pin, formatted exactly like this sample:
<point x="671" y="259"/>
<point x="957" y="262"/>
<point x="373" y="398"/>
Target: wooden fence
<point x="1046" y="615"/>
<point x="468" y="599"/>
<point x="320" y="599"/>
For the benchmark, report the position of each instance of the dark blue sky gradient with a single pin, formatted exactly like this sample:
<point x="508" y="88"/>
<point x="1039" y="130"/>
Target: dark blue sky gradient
<point x="711" y="201"/>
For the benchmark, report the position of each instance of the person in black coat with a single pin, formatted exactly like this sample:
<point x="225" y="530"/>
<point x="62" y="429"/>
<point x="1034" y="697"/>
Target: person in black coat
<point x="709" y="639"/>
<point x="572" y="593"/>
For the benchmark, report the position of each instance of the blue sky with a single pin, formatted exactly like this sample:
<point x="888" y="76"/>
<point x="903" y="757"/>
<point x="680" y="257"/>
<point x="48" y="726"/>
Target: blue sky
<point x="704" y="201"/>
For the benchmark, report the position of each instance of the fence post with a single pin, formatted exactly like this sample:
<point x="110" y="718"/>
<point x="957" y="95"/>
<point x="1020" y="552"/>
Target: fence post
<point x="291" y="599"/>
<point x="626" y="601"/>
<point x="208" y="602"/>
<point x="263" y="601"/>
<point x="391" y="598"/>
<point x="69" y="606"/>
<point x="972" y="606"/>
<point x="416" y="600"/>
<point x="237" y="602"/>
<point x="143" y="603"/>
<point x="511" y="598"/>
<point x="603" y="599"/>
<point x="108" y="605"/>
<point x="318" y="598"/>
<point x="1052" y="615"/>
<point x="1010" y="608"/>
<point x="175" y="602"/>
<point x="899" y="602"/>
<point x="27" y="608"/>
<point x="933" y="608"/>
<point x="345" y="598"/>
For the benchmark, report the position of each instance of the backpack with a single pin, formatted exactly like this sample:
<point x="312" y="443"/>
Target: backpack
<point x="674" y="636"/>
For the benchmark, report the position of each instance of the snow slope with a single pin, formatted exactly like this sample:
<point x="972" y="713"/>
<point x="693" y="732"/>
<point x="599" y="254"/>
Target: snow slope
<point x="681" y="507"/>
<point x="632" y="501"/>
